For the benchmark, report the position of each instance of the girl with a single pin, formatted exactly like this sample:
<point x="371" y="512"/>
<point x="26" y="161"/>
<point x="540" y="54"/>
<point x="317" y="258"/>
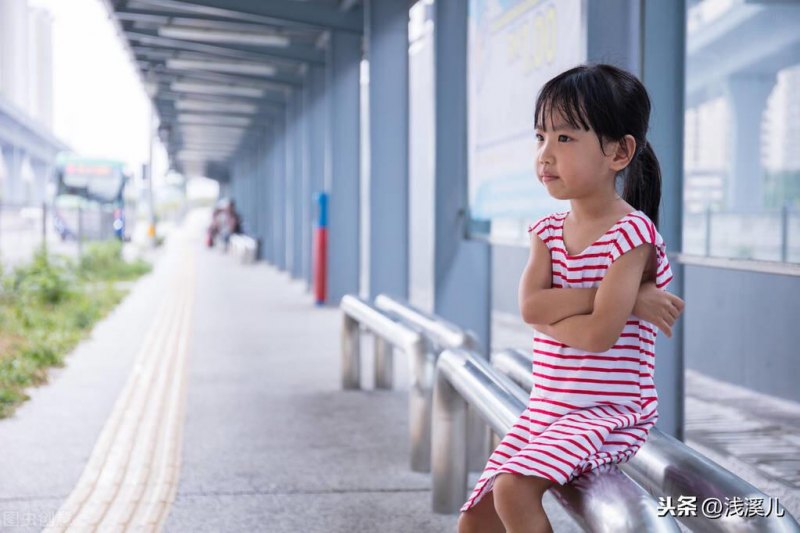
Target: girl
<point x="593" y="291"/>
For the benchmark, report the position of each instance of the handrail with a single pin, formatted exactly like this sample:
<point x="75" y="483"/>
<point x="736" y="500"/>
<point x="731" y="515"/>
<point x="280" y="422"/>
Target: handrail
<point x="356" y="314"/>
<point x="607" y="502"/>
<point x="666" y="467"/>
<point x="443" y="335"/>
<point x="244" y="247"/>
<point x="440" y="331"/>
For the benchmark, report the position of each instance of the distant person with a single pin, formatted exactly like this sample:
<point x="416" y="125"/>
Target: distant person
<point x="593" y="290"/>
<point x="230" y="222"/>
<point x="214" y="226"/>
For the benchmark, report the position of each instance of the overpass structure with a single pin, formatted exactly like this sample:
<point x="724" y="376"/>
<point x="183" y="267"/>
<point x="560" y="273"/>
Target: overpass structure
<point x="27" y="158"/>
<point x="737" y="53"/>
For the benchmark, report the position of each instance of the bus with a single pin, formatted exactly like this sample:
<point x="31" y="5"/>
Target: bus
<point x="89" y="198"/>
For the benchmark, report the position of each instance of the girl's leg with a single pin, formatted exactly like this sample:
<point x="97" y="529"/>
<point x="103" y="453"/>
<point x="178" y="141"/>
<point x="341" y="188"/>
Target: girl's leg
<point x="518" y="502"/>
<point x="482" y="518"/>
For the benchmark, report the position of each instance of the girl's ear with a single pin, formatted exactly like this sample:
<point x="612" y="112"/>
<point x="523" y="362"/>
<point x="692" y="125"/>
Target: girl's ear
<point x="623" y="153"/>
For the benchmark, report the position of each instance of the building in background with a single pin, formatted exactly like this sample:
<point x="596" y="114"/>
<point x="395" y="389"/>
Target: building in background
<point x="27" y="145"/>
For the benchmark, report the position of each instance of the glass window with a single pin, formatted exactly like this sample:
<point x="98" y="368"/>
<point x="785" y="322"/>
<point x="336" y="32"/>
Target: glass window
<point x="742" y="130"/>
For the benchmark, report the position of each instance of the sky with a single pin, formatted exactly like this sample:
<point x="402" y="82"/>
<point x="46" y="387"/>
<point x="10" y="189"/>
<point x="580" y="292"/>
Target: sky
<point x="100" y="107"/>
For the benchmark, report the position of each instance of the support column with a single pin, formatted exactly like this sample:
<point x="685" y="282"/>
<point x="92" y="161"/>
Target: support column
<point x="318" y="109"/>
<point x="664" y="45"/>
<point x="613" y="33"/>
<point x="387" y="49"/>
<point x="344" y="57"/>
<point x="462" y="268"/>
<point x="297" y="190"/>
<point x="269" y="194"/>
<point x="279" y="193"/>
<point x="304" y="198"/>
<point x="288" y="196"/>
<point x="747" y="96"/>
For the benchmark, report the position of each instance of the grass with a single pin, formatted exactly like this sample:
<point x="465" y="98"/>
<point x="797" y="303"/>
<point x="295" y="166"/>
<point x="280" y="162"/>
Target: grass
<point x="48" y="306"/>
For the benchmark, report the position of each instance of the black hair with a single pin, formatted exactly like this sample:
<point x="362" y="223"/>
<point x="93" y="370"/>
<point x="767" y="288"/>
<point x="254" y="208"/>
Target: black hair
<point x="613" y="103"/>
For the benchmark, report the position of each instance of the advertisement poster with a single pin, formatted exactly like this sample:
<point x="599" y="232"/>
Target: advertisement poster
<point x="515" y="46"/>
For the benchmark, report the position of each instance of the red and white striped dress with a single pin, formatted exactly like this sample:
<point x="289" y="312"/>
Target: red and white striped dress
<point x="586" y="409"/>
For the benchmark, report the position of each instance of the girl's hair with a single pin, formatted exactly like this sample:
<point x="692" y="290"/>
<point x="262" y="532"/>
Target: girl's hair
<point x="613" y="103"/>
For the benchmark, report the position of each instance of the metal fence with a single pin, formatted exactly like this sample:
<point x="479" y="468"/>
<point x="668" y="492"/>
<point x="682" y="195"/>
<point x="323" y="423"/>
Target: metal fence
<point x="24" y="229"/>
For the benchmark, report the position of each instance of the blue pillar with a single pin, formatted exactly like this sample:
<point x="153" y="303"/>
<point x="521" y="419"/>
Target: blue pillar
<point x="317" y="127"/>
<point x="288" y="196"/>
<point x="664" y="45"/>
<point x="462" y="268"/>
<point x="268" y="203"/>
<point x="303" y="202"/>
<point x="279" y="193"/>
<point x="747" y="96"/>
<point x="297" y="191"/>
<point x="613" y="33"/>
<point x="344" y="56"/>
<point x="387" y="49"/>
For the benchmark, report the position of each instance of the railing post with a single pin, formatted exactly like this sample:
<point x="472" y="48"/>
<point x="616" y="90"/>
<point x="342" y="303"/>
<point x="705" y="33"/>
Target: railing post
<point x="479" y="435"/>
<point x="420" y="402"/>
<point x="785" y="232"/>
<point x="449" y="453"/>
<point x="351" y="353"/>
<point x="384" y="375"/>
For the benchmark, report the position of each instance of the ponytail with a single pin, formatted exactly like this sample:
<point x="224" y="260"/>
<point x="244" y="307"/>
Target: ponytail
<point x="642" y="187"/>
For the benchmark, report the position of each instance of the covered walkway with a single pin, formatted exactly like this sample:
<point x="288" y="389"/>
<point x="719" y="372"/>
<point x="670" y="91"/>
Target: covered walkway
<point x="266" y="439"/>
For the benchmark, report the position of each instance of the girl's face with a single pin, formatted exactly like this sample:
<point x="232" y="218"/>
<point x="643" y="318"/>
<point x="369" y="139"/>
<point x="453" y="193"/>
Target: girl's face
<point x="569" y="161"/>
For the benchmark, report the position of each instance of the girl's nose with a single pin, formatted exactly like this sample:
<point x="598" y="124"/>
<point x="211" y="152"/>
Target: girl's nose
<point x="545" y="154"/>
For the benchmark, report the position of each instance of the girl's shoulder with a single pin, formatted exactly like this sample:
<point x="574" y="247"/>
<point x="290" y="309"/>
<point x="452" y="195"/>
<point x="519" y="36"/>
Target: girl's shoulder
<point x="634" y="230"/>
<point x="547" y="223"/>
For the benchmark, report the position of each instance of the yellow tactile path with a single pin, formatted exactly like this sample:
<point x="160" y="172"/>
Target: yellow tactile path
<point x="131" y="478"/>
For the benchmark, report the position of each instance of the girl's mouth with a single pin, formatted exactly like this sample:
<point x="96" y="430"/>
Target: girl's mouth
<point x="547" y="177"/>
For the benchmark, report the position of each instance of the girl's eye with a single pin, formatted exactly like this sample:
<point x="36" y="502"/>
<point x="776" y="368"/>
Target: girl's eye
<point x="561" y="138"/>
<point x="564" y="137"/>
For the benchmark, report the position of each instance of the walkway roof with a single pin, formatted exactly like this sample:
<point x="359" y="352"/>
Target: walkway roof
<point x="220" y="70"/>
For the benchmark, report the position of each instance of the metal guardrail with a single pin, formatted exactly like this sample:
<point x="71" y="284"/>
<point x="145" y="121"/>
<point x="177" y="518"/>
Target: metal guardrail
<point x="600" y="502"/>
<point x="358" y="314"/>
<point x="244" y="247"/>
<point x="445" y="335"/>
<point x="666" y="467"/>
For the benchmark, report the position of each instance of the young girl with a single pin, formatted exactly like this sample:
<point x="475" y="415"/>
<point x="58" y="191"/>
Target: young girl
<point x="593" y="291"/>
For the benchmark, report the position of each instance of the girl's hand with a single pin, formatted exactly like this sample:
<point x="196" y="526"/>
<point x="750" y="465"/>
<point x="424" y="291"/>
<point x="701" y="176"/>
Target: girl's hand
<point x="658" y="307"/>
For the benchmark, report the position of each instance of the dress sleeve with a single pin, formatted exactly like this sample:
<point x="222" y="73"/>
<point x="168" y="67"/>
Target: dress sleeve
<point x="543" y="228"/>
<point x="634" y="232"/>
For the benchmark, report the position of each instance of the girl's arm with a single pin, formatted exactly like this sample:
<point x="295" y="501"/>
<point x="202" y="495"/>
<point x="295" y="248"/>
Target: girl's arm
<point x="541" y="304"/>
<point x="598" y="330"/>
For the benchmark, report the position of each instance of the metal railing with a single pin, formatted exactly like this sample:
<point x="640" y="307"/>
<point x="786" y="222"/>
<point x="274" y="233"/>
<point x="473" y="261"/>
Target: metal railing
<point x="244" y="247"/>
<point x="444" y="335"/>
<point x="666" y="467"/>
<point x="606" y="501"/>
<point x="389" y="334"/>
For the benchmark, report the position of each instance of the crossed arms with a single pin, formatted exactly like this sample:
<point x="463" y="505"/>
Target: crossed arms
<point x="592" y="319"/>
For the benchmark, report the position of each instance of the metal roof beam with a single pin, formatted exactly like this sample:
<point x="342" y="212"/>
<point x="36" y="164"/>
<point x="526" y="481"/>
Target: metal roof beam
<point x="276" y="81"/>
<point x="295" y="53"/>
<point x="305" y="13"/>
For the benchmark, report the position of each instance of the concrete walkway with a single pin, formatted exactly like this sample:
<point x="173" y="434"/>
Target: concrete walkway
<point x="270" y="442"/>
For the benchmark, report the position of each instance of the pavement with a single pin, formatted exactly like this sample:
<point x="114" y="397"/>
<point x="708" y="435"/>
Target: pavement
<point x="270" y="442"/>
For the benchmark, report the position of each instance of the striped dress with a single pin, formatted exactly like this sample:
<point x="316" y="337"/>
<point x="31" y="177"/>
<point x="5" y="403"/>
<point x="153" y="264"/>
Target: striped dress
<point x="586" y="410"/>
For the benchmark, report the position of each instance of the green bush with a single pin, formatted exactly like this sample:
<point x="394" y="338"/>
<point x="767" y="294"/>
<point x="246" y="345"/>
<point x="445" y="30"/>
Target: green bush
<point x="103" y="261"/>
<point x="42" y="281"/>
<point x="48" y="306"/>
